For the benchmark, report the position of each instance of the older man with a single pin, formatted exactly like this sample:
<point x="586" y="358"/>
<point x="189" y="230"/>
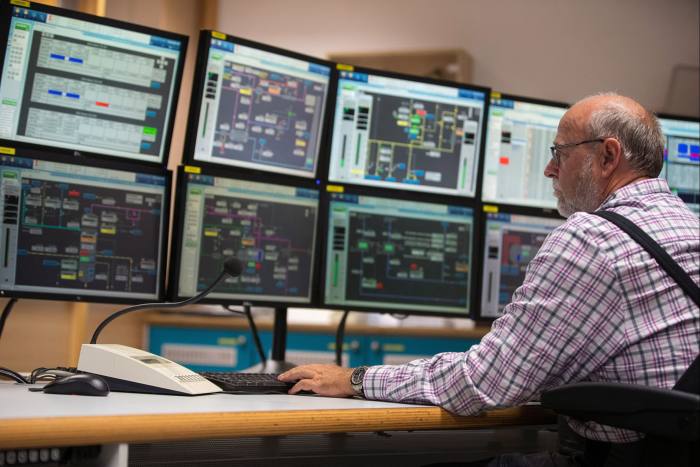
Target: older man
<point x="593" y="306"/>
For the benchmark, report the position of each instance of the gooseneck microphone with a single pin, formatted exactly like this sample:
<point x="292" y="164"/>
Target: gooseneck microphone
<point x="232" y="267"/>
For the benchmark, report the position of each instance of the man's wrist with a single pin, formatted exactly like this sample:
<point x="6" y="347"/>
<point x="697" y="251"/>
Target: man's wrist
<point x="357" y="380"/>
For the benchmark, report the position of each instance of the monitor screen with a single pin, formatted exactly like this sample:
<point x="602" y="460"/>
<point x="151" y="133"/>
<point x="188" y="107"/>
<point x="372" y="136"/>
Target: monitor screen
<point x="386" y="254"/>
<point x="257" y="107"/>
<point x="511" y="241"/>
<point x="90" y="85"/>
<point x="270" y="228"/>
<point x="520" y="133"/>
<point x="406" y="133"/>
<point x="82" y="232"/>
<point x="682" y="159"/>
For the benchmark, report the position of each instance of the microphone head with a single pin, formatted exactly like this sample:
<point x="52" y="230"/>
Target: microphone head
<point x="233" y="267"/>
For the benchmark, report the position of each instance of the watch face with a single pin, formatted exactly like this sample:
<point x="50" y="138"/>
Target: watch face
<point x="358" y="374"/>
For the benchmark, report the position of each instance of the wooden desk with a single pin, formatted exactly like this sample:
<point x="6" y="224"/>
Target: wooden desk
<point x="29" y="419"/>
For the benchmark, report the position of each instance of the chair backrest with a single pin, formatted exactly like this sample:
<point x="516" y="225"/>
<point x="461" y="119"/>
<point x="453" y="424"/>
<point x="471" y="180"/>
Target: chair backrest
<point x="690" y="380"/>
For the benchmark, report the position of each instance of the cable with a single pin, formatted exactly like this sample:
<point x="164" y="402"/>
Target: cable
<point x="145" y="306"/>
<point x="339" y="335"/>
<point x="233" y="310"/>
<point x="3" y="318"/>
<point x="6" y="312"/>
<point x="253" y="329"/>
<point x="54" y="373"/>
<point x="13" y="375"/>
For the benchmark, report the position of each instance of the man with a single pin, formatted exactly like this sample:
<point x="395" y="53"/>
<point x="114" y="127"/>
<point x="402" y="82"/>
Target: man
<point x="593" y="306"/>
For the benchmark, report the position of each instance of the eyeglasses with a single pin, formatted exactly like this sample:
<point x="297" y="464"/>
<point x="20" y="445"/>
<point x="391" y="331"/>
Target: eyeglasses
<point x="556" y="155"/>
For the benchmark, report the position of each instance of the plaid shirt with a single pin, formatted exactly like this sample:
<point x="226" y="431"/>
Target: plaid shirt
<point x="594" y="306"/>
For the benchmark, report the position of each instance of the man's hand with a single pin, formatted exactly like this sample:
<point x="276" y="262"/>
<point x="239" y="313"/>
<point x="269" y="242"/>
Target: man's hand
<point x="326" y="380"/>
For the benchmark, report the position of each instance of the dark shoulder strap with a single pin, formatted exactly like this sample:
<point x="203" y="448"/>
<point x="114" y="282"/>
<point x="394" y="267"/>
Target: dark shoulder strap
<point x="663" y="258"/>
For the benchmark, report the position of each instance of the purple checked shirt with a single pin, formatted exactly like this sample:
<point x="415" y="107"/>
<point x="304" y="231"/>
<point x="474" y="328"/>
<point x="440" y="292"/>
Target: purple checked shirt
<point x="594" y="306"/>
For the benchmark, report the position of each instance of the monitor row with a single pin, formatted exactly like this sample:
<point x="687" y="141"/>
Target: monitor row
<point x="99" y="233"/>
<point x="108" y="89"/>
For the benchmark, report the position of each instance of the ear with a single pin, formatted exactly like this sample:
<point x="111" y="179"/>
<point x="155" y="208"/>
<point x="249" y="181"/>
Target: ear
<point x="612" y="157"/>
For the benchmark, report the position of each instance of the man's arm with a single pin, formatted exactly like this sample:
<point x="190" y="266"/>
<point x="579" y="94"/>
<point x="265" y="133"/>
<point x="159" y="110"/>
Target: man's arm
<point x="560" y="327"/>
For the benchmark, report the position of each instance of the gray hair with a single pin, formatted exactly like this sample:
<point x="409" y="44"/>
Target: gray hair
<point x="639" y="133"/>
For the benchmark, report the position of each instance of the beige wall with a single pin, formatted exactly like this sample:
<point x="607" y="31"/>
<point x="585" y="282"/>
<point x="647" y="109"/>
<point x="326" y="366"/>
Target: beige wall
<point x="48" y="333"/>
<point x="556" y="49"/>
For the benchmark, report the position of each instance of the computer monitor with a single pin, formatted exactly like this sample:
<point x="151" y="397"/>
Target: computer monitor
<point x="81" y="232"/>
<point x="511" y="241"/>
<point x="89" y="85"/>
<point x="397" y="255"/>
<point x="405" y="132"/>
<point x="257" y="107"/>
<point x="682" y="158"/>
<point x="520" y="132"/>
<point x="270" y="227"/>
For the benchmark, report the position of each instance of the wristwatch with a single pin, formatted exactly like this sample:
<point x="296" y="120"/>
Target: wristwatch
<point x="356" y="378"/>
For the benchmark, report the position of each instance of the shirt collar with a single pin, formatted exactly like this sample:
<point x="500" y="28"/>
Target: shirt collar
<point x="645" y="187"/>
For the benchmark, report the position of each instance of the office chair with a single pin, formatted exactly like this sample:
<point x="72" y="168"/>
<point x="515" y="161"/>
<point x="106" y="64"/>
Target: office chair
<point x="670" y="418"/>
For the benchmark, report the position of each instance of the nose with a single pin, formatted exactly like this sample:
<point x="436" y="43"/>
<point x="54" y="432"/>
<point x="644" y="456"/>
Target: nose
<point x="550" y="170"/>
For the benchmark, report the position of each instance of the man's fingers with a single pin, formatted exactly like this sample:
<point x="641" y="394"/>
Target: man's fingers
<point x="300" y="372"/>
<point x="302" y="385"/>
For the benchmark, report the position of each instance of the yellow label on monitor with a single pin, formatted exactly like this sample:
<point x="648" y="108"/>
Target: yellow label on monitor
<point x="495" y="95"/>
<point x="190" y="169"/>
<point x="218" y="35"/>
<point x="8" y="151"/>
<point x="342" y="67"/>
<point x="490" y="208"/>
<point x="335" y="189"/>
<point x="21" y="3"/>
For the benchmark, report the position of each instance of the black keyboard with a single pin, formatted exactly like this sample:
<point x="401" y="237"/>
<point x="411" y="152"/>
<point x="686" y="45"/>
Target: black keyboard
<point x="247" y="383"/>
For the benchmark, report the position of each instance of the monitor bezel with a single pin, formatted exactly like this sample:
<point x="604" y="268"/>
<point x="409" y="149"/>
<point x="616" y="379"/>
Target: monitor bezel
<point x="684" y="118"/>
<point x="43" y="154"/>
<point x="197" y="96"/>
<point x="333" y="102"/>
<point x="429" y="198"/>
<point x="177" y="236"/>
<point x="493" y="208"/>
<point x="480" y="180"/>
<point x="5" y="12"/>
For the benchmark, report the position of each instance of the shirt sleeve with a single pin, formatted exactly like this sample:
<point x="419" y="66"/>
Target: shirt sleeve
<point x="559" y="328"/>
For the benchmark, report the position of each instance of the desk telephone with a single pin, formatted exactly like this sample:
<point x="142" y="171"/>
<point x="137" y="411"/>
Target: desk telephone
<point x="134" y="370"/>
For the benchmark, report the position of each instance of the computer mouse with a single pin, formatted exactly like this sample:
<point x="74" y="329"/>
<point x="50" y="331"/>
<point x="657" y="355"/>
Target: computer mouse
<point x="82" y="384"/>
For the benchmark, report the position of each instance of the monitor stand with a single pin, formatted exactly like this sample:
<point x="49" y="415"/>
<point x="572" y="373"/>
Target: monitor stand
<point x="277" y="363"/>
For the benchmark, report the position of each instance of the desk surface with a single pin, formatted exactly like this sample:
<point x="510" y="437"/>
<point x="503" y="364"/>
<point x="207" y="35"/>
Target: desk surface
<point x="34" y="419"/>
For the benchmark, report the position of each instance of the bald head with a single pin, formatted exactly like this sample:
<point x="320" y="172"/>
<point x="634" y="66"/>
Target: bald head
<point x="616" y="116"/>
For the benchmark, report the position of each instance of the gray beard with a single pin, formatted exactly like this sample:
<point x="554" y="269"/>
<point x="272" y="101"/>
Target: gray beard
<point x="585" y="198"/>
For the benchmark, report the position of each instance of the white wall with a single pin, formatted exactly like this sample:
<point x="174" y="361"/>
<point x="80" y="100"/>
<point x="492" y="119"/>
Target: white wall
<point x="555" y="49"/>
